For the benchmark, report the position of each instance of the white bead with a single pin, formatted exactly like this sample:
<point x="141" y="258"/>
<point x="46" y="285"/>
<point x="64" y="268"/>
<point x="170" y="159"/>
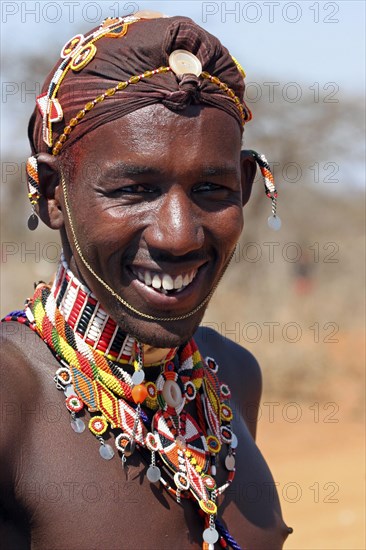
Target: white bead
<point x="172" y="394"/>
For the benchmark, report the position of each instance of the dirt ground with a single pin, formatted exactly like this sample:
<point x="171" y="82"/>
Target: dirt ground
<point x="319" y="466"/>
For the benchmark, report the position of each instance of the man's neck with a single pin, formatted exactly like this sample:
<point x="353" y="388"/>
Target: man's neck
<point x="152" y="355"/>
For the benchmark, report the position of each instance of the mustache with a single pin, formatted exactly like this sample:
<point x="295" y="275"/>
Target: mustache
<point x="152" y="255"/>
<point x="141" y="255"/>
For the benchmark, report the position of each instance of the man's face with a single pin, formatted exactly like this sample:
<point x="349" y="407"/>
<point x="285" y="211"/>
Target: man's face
<point x="156" y="204"/>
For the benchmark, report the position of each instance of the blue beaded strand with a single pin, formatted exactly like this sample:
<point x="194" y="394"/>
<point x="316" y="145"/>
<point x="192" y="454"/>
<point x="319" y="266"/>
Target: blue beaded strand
<point x="226" y="535"/>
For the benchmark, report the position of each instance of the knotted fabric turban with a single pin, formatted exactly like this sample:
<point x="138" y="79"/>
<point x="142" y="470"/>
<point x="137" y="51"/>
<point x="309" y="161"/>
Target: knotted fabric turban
<point x="145" y="46"/>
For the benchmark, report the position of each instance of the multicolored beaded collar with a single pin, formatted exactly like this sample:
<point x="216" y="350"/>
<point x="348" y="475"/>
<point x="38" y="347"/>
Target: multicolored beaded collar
<point x="86" y="316"/>
<point x="147" y="415"/>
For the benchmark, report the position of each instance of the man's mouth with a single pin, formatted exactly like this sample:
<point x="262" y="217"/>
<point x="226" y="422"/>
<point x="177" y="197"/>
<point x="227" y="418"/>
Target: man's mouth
<point x="163" y="282"/>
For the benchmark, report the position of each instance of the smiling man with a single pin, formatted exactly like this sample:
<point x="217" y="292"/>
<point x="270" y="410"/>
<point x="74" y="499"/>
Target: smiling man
<point x="137" y="161"/>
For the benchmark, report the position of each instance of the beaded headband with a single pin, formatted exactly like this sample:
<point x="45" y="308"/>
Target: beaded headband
<point x="245" y="114"/>
<point x="76" y="54"/>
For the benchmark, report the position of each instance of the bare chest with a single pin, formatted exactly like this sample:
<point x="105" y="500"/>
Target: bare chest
<point x="74" y="497"/>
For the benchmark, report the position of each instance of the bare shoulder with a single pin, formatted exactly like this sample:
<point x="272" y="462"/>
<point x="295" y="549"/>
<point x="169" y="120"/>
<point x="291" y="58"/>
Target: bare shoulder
<point x="14" y="356"/>
<point x="17" y="383"/>
<point x="19" y="347"/>
<point x="238" y="368"/>
<point x="24" y="361"/>
<point x="18" y="386"/>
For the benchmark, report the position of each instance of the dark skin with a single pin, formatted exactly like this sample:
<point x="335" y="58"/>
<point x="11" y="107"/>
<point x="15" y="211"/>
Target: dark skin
<point x="58" y="492"/>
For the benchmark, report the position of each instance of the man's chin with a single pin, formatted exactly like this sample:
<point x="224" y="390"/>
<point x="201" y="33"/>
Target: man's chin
<point x="161" y="334"/>
<point x="167" y="334"/>
<point x="171" y="333"/>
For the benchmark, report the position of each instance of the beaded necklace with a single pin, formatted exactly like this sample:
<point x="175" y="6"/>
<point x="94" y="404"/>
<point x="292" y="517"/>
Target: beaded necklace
<point x="147" y="415"/>
<point x="86" y="316"/>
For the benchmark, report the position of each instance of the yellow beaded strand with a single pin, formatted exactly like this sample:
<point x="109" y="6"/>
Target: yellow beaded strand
<point x="91" y="104"/>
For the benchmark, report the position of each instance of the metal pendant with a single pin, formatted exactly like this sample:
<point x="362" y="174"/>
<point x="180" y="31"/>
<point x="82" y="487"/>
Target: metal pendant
<point x="33" y="222"/>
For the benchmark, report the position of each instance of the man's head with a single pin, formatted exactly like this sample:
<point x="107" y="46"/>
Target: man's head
<point x="155" y="181"/>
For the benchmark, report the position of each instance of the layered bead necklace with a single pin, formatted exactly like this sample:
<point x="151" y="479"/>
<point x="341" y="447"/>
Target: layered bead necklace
<point x="96" y="360"/>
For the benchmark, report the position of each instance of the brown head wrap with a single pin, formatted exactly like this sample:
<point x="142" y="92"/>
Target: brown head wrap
<point x="145" y="46"/>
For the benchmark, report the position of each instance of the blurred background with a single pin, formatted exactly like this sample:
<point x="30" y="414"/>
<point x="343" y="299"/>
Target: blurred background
<point x="294" y="298"/>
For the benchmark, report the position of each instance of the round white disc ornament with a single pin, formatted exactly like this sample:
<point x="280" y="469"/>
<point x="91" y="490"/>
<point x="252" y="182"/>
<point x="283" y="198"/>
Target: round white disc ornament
<point x="230" y="463"/>
<point x="106" y="451"/>
<point x="274" y="222"/>
<point x="210" y="535"/>
<point x="78" y="425"/>
<point x="184" y="62"/>
<point x="153" y="474"/>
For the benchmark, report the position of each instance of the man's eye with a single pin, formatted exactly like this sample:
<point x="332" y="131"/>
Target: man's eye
<point x="207" y="186"/>
<point x="136" y="189"/>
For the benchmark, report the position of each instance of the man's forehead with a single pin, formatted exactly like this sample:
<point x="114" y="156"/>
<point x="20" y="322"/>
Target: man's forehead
<point x="140" y="145"/>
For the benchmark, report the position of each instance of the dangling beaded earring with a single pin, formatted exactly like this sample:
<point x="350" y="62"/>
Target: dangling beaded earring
<point x="33" y="191"/>
<point x="274" y="222"/>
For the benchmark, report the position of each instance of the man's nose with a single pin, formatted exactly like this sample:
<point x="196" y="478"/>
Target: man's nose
<point x="176" y="224"/>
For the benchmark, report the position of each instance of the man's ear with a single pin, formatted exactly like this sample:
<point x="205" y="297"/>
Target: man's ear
<point x="49" y="204"/>
<point x="248" y="171"/>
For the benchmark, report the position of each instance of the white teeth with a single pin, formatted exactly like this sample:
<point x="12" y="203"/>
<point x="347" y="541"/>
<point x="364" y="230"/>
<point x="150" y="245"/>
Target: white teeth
<point x="165" y="282"/>
<point x="147" y="279"/>
<point x="178" y="282"/>
<point x="156" y="282"/>
<point x="168" y="282"/>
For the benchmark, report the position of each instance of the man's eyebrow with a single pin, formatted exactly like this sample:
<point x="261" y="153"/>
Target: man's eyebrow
<point x="125" y="169"/>
<point x="218" y="170"/>
<point x="129" y="169"/>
